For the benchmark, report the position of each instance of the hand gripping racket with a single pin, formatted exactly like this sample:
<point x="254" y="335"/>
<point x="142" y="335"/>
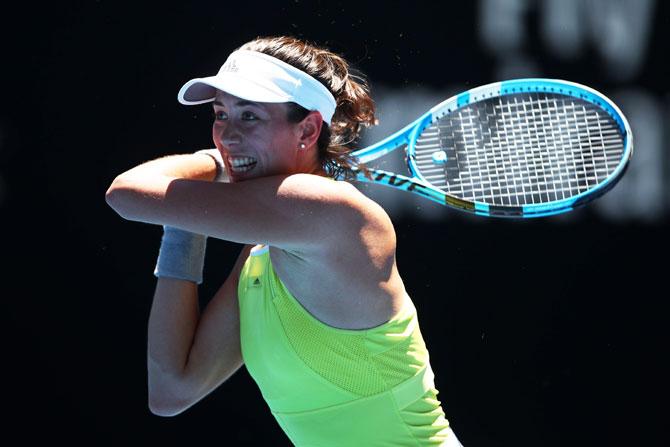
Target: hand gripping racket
<point x="519" y="148"/>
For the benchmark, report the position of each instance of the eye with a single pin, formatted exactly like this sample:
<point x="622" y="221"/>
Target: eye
<point x="220" y="115"/>
<point x="249" y="116"/>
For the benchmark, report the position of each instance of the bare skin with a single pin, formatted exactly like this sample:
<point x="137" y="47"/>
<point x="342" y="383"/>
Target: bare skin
<point x="331" y="246"/>
<point x="356" y="291"/>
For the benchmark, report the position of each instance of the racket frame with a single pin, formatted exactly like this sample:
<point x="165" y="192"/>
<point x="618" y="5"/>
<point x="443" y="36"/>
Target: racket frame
<point x="408" y="136"/>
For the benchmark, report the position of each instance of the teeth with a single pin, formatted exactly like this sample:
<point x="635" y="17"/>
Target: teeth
<point x="241" y="161"/>
<point x="242" y="164"/>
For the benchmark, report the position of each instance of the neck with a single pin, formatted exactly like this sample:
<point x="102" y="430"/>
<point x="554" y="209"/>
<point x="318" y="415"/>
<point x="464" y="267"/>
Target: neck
<point x="311" y="164"/>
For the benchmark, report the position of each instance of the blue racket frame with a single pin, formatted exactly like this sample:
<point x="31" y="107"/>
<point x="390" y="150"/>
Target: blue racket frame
<point x="408" y="136"/>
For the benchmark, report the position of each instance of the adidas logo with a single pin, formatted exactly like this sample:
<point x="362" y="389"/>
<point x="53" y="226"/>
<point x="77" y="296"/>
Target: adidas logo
<point x="230" y="66"/>
<point x="256" y="282"/>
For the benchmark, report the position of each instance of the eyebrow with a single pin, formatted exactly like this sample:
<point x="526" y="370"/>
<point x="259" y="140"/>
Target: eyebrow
<point x="240" y="103"/>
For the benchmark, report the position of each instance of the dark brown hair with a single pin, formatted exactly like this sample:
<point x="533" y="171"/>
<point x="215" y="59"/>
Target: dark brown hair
<point x="355" y="107"/>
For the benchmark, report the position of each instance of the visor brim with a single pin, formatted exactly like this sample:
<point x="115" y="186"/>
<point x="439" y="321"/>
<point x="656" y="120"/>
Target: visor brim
<point x="202" y="90"/>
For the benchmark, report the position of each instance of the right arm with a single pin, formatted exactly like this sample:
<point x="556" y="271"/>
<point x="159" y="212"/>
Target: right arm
<point x="190" y="355"/>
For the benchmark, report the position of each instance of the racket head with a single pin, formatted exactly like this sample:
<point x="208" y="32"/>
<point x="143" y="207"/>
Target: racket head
<point x="519" y="148"/>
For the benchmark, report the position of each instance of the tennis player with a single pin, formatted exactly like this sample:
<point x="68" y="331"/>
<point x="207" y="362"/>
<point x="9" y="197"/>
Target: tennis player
<point x="314" y="306"/>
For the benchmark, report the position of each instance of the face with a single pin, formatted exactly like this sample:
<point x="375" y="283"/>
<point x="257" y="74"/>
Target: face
<point x="255" y="139"/>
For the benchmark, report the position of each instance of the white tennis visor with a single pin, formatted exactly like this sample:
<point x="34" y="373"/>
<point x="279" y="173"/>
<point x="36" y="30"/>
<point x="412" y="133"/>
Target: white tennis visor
<point x="258" y="77"/>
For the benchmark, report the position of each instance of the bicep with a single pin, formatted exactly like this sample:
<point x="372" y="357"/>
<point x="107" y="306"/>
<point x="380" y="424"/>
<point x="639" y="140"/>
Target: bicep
<point x="216" y="352"/>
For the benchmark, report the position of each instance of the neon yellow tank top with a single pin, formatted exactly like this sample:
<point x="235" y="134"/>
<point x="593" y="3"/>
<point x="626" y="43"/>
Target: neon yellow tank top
<point x="337" y="387"/>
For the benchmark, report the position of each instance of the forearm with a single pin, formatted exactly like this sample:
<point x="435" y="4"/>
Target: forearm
<point x="173" y="321"/>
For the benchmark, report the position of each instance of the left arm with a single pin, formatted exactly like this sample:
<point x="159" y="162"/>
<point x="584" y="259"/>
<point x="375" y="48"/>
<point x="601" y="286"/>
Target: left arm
<point x="300" y="212"/>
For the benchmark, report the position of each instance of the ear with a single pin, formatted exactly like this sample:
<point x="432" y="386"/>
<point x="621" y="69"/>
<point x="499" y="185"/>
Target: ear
<point x="309" y="129"/>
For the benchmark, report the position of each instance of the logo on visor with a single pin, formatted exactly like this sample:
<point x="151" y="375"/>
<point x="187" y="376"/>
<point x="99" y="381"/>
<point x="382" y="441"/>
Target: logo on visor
<point x="230" y="66"/>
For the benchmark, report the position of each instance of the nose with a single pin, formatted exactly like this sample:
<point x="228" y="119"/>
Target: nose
<point x="228" y="134"/>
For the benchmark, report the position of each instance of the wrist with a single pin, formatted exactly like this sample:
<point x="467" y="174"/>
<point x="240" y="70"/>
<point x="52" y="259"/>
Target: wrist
<point x="181" y="255"/>
<point x="221" y="173"/>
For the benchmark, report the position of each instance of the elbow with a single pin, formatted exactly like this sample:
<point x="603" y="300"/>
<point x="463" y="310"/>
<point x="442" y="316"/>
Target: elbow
<point x="114" y="197"/>
<point x="164" y="409"/>
<point x="111" y="195"/>
<point x="166" y="406"/>
<point x="168" y="396"/>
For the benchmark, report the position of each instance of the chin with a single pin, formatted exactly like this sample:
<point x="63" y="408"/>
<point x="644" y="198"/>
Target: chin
<point x="241" y="176"/>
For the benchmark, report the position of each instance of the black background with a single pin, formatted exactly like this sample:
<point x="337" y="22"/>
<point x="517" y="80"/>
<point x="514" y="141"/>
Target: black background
<point x="540" y="333"/>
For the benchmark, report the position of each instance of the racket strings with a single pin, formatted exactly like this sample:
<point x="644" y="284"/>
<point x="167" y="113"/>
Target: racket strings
<point x="521" y="149"/>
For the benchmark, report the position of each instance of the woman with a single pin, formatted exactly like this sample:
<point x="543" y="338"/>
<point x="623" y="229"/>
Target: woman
<point x="314" y="306"/>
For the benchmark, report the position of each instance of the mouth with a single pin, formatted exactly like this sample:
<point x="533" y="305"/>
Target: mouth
<point x="240" y="164"/>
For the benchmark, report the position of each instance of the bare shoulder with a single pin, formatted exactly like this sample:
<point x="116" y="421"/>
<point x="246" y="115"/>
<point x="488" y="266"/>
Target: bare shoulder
<point x="368" y="228"/>
<point x="356" y="283"/>
<point x="357" y="210"/>
<point x="373" y="213"/>
<point x="332" y="191"/>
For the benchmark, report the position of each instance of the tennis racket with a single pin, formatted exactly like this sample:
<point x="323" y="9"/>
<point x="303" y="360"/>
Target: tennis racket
<point x="520" y="148"/>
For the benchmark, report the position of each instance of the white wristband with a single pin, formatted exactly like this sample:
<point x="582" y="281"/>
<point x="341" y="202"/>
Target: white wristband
<point x="181" y="255"/>
<point x="221" y="173"/>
